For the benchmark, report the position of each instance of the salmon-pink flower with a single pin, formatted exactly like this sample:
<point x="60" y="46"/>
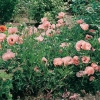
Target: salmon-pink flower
<point x="79" y="21"/>
<point x="86" y="46"/>
<point x="20" y="40"/>
<point x="34" y="29"/>
<point x="36" y="69"/>
<point x="44" y="60"/>
<point x="84" y="26"/>
<point x="8" y="55"/>
<point x="76" y="60"/>
<point x="73" y="97"/>
<point x="91" y="78"/>
<point x="58" y="25"/>
<point x="2" y="37"/>
<point x="46" y="24"/>
<point x="67" y="60"/>
<point x="41" y="27"/>
<point x="52" y="26"/>
<point x="50" y="32"/>
<point x="89" y="70"/>
<point x="44" y="19"/>
<point x="64" y="44"/>
<point x="95" y="66"/>
<point x="80" y="73"/>
<point x="39" y="38"/>
<point x="79" y="45"/>
<point x="12" y="30"/>
<point x="60" y="21"/>
<point x="85" y="59"/>
<point x="88" y="36"/>
<point x="57" y="62"/>
<point x="92" y="30"/>
<point x="12" y="39"/>
<point x="61" y="15"/>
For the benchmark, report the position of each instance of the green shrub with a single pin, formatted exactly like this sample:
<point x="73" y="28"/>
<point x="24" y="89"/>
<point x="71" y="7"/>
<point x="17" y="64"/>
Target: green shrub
<point x="37" y="9"/>
<point x="5" y="85"/>
<point x="6" y="9"/>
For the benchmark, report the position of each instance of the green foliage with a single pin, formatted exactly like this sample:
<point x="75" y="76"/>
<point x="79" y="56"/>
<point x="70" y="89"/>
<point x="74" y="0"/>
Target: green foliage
<point x="6" y="9"/>
<point x="5" y="85"/>
<point x="37" y="9"/>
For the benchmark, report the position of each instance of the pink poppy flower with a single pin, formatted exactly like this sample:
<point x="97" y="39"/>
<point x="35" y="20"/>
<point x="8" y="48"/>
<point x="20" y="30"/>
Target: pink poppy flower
<point x="92" y="30"/>
<point x="67" y="60"/>
<point x="58" y="25"/>
<point x="50" y="32"/>
<point x="52" y="26"/>
<point x="46" y="24"/>
<point x="39" y="38"/>
<point x="44" y="19"/>
<point x="85" y="59"/>
<point x="79" y="45"/>
<point x="35" y="30"/>
<point x="57" y="62"/>
<point x="2" y="37"/>
<point x="20" y="40"/>
<point x="88" y="36"/>
<point x="60" y="21"/>
<point x="84" y="26"/>
<point x="79" y="21"/>
<point x="86" y="46"/>
<point x="8" y="55"/>
<point x="36" y="69"/>
<point x="76" y="60"/>
<point x="61" y="15"/>
<point x="12" y="39"/>
<point x="89" y="70"/>
<point x="12" y="30"/>
<point x="44" y="60"/>
<point x="41" y="27"/>
<point x="95" y="66"/>
<point x="74" y="97"/>
<point x="80" y="73"/>
<point x="64" y="44"/>
<point x="91" y="78"/>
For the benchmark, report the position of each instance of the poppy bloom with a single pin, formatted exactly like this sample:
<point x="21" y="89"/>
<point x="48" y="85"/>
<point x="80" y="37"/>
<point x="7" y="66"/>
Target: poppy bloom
<point x="88" y="37"/>
<point x="12" y="30"/>
<point x="61" y="15"/>
<point x="39" y="38"/>
<point x="91" y="78"/>
<point x="2" y="37"/>
<point x="89" y="70"/>
<point x="85" y="59"/>
<point x="76" y="60"/>
<point x="3" y="28"/>
<point x="80" y="73"/>
<point x="84" y="26"/>
<point x="45" y="60"/>
<point x="57" y="62"/>
<point x="67" y="60"/>
<point x="86" y="46"/>
<point x="12" y="39"/>
<point x="79" y="21"/>
<point x="8" y="55"/>
<point x="95" y="66"/>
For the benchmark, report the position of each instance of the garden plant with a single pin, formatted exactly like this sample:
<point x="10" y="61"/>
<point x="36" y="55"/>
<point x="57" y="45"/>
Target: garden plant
<point x="53" y="58"/>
